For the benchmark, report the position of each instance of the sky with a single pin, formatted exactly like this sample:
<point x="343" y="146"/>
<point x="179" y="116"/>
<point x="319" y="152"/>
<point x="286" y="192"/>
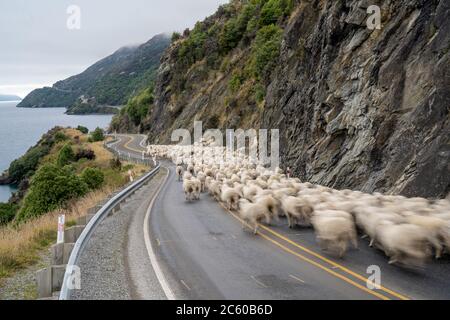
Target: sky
<point x="44" y="41"/>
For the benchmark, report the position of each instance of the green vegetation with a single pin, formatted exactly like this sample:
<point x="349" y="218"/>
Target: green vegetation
<point x="236" y="81"/>
<point x="93" y="178"/>
<point x="50" y="188"/>
<point x="266" y="50"/>
<point x="240" y="43"/>
<point x="175" y="36"/>
<point x="66" y="156"/>
<point x="83" y="130"/>
<point x="273" y="10"/>
<point x="7" y="212"/>
<point x="111" y="81"/>
<point x="97" y="135"/>
<point x="137" y="108"/>
<point x="26" y="165"/>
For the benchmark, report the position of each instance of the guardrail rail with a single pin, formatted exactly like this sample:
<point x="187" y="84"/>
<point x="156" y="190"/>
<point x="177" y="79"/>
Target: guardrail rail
<point x="100" y="215"/>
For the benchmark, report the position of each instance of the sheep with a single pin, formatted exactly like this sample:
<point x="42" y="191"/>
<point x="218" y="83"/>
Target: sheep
<point x="191" y="169"/>
<point x="334" y="231"/>
<point x="187" y="175"/>
<point x="368" y="219"/>
<point x="272" y="204"/>
<point x="189" y="188"/>
<point x="197" y="188"/>
<point x="179" y="172"/>
<point x="215" y="189"/>
<point x="250" y="192"/>
<point x="230" y="196"/>
<point x="438" y="231"/>
<point x="202" y="177"/>
<point x="252" y="213"/>
<point x="403" y="243"/>
<point x="297" y="211"/>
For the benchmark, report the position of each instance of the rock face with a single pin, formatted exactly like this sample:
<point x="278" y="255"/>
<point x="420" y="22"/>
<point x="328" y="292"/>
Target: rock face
<point x="366" y="109"/>
<point x="356" y="108"/>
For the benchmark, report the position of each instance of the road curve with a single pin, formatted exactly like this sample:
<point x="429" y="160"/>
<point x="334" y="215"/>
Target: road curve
<point x="204" y="254"/>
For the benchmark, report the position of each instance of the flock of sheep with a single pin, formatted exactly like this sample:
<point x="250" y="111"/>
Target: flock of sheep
<point x="408" y="230"/>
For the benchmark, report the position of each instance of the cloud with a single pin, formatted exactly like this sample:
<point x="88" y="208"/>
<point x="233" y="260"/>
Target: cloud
<point x="37" y="46"/>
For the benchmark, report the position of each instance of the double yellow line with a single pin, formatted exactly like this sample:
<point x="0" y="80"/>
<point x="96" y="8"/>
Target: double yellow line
<point x="126" y="145"/>
<point x="325" y="268"/>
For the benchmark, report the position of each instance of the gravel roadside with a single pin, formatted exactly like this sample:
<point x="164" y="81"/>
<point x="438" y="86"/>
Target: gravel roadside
<point x="115" y="263"/>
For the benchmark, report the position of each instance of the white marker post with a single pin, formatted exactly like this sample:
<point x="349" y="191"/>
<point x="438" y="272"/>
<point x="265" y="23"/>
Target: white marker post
<point x="61" y="224"/>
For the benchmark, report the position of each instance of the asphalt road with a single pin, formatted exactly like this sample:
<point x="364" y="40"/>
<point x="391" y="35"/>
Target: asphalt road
<point x="204" y="253"/>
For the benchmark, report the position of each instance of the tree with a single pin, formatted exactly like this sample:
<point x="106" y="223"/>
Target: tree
<point x="83" y="130"/>
<point x="65" y="156"/>
<point x="50" y="188"/>
<point x="7" y="213"/>
<point x="266" y="50"/>
<point x="176" y="36"/>
<point x="27" y="164"/>
<point x="93" y="177"/>
<point x="98" y="135"/>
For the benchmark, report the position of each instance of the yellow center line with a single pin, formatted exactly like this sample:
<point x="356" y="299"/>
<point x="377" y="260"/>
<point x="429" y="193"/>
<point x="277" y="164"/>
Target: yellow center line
<point x="302" y="257"/>
<point x="126" y="145"/>
<point x="334" y="264"/>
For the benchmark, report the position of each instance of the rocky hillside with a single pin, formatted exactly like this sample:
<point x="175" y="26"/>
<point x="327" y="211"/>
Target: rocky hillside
<point x="356" y="108"/>
<point x="109" y="82"/>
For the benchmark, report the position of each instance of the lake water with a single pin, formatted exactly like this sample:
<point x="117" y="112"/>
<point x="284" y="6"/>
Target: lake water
<point x="21" y="128"/>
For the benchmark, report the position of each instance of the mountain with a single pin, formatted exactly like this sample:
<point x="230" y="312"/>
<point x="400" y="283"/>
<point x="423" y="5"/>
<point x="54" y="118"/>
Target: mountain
<point x="9" y="97"/>
<point x="356" y="108"/>
<point x="109" y="82"/>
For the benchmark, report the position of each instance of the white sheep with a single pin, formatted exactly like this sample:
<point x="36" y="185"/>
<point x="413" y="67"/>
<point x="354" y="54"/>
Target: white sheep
<point x="230" y="196"/>
<point x="298" y="211"/>
<point x="179" y="172"/>
<point x="403" y="243"/>
<point x="252" y="213"/>
<point x="334" y="231"/>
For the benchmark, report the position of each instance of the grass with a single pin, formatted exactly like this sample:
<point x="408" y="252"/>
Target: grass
<point x="20" y="245"/>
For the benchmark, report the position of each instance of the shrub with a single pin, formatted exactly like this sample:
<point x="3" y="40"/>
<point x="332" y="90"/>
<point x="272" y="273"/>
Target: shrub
<point x="138" y="107"/>
<point x="260" y="93"/>
<point x="236" y="81"/>
<point x="266" y="50"/>
<point x="115" y="164"/>
<point x="27" y="164"/>
<point x="235" y="28"/>
<point x="50" y="188"/>
<point x="97" y="135"/>
<point x="7" y="213"/>
<point x="273" y="10"/>
<point x="176" y="36"/>
<point x="93" y="177"/>
<point x="60" y="137"/>
<point x="65" y="156"/>
<point x="85" y="154"/>
<point x="83" y="130"/>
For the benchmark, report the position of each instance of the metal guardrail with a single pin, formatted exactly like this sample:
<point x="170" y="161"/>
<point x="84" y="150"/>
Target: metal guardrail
<point x="127" y="156"/>
<point x="97" y="219"/>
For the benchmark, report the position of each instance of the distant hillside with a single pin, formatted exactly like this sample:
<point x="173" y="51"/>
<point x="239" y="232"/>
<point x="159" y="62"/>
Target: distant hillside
<point x="8" y="97"/>
<point x="109" y="82"/>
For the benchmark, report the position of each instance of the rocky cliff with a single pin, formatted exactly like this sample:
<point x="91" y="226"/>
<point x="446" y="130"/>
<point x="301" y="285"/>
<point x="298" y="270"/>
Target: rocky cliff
<point x="356" y="108"/>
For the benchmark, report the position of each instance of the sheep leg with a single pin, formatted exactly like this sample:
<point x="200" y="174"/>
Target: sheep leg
<point x="364" y="236"/>
<point x="289" y="220"/>
<point x="371" y="242"/>
<point x="256" y="229"/>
